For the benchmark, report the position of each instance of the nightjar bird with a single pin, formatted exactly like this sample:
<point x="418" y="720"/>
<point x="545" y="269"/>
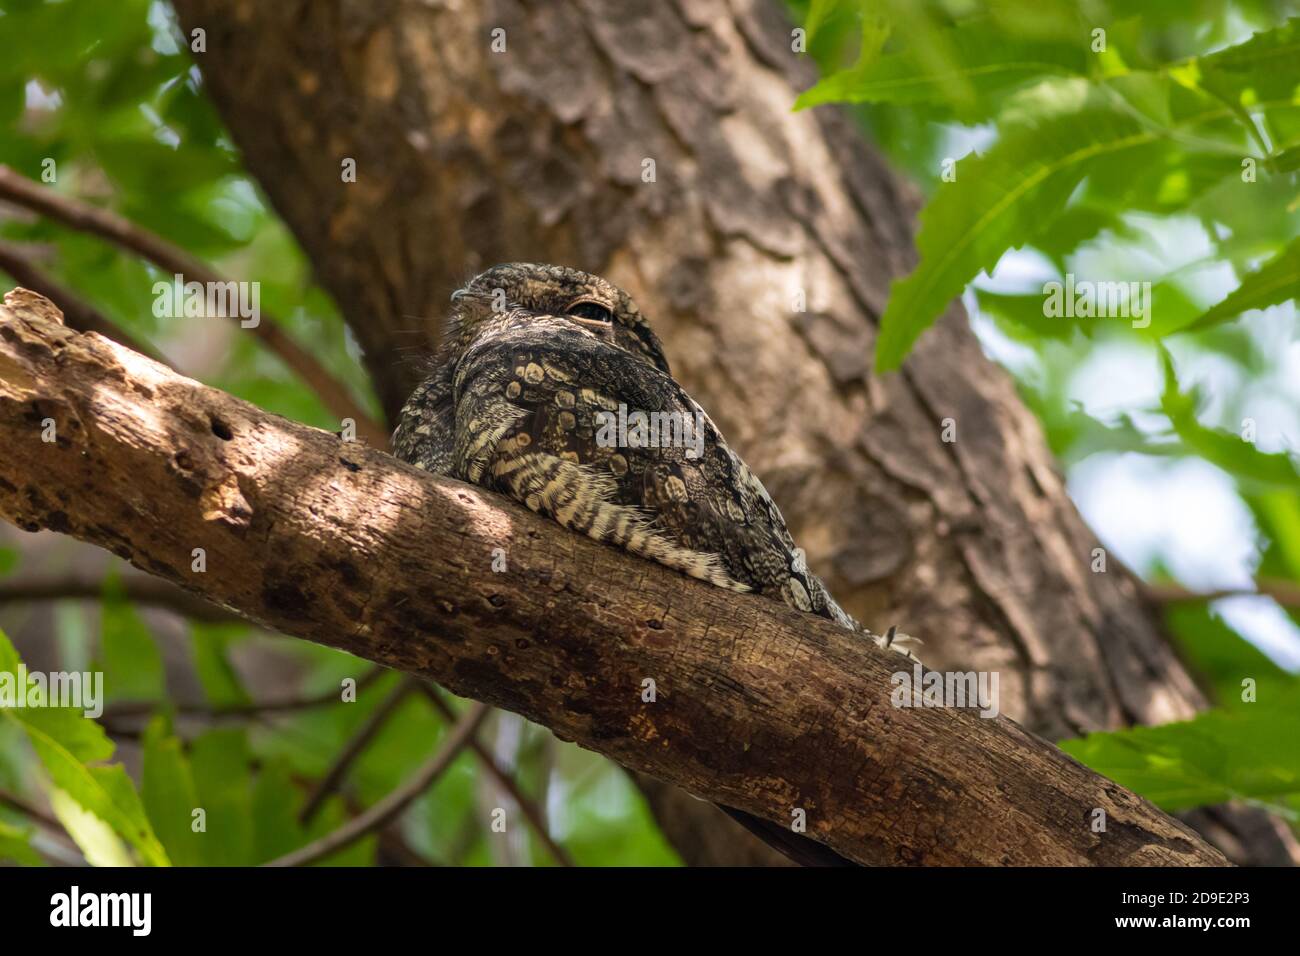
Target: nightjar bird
<point x="538" y="365"/>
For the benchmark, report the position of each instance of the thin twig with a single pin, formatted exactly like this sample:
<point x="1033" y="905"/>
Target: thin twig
<point x="355" y="747"/>
<point x="68" y="853"/>
<point x="507" y="782"/>
<point x="153" y="592"/>
<point x="1285" y="593"/>
<point x="391" y="839"/>
<point x="57" y="852"/>
<point x="173" y="260"/>
<point x="15" y="802"/>
<point x="80" y="315"/>
<point x="392" y="805"/>
<point x="394" y="845"/>
<point x="254" y="709"/>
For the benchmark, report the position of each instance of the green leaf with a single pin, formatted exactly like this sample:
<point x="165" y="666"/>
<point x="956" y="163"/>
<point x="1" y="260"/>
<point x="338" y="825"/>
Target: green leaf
<point x="1246" y="752"/>
<point x="1277" y="510"/>
<point x="210" y="644"/>
<point x="821" y="12"/>
<point x="1262" y="75"/>
<point x="80" y="736"/>
<point x="1265" y="67"/>
<point x="107" y="792"/>
<point x="170" y="797"/>
<point x="1277" y="281"/>
<point x="979" y="60"/>
<point x="1230" y="452"/>
<point x="1287" y="161"/>
<point x="1169" y="309"/>
<point x="999" y="201"/>
<point x="1025" y="312"/>
<point x="142" y="165"/>
<point x="1224" y="657"/>
<point x="1077" y="225"/>
<point x="276" y="830"/>
<point x="95" y="838"/>
<point x="223" y="778"/>
<point x="133" y="667"/>
<point x="65" y="741"/>
<point x="9" y="659"/>
<point x="15" y="846"/>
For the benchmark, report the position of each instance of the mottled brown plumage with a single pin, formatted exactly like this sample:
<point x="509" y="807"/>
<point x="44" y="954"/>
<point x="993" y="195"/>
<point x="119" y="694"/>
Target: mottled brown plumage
<point x="532" y="357"/>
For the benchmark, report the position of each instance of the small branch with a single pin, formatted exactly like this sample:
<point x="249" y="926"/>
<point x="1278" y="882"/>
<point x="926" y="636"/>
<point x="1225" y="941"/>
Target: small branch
<point x="505" y="780"/>
<point x="392" y="805"/>
<point x="255" y="709"/>
<point x="1285" y="593"/>
<point x="396" y="848"/>
<point x="80" y="314"/>
<point x="62" y="845"/>
<point x="15" y="802"/>
<point x="355" y="747"/>
<point x="391" y="841"/>
<point x="139" y="589"/>
<point x="172" y="260"/>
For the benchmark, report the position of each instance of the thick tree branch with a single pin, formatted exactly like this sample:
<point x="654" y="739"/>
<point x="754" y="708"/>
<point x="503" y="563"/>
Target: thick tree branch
<point x="757" y="706"/>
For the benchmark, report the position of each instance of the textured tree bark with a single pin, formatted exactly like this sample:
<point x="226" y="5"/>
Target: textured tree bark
<point x="469" y="155"/>
<point x="756" y="706"/>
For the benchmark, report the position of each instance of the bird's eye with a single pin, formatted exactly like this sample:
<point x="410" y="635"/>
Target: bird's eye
<point x="591" y="312"/>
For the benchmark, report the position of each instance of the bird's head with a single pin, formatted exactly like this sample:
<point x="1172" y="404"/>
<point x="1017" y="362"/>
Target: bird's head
<point x="590" y="302"/>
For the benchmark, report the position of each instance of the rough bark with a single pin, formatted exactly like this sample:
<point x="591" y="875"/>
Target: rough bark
<point x="467" y="157"/>
<point x="757" y="706"/>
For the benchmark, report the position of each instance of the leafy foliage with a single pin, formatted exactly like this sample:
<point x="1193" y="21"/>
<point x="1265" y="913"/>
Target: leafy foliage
<point x="1221" y="755"/>
<point x="105" y="90"/>
<point x="71" y="748"/>
<point x="1276" y="282"/>
<point x="1110" y="139"/>
<point x="1082" y="112"/>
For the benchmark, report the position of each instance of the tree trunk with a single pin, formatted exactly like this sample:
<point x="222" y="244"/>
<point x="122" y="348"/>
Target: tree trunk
<point x="468" y="154"/>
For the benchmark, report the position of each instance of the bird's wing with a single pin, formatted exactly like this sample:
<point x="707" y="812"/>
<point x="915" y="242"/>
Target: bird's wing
<point x="538" y="410"/>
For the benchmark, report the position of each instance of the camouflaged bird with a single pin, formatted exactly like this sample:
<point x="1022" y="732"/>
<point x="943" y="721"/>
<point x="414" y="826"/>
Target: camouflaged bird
<point x="537" y="364"/>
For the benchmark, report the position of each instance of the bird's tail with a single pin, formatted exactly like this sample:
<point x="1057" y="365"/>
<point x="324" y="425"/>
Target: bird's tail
<point x="803" y="850"/>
